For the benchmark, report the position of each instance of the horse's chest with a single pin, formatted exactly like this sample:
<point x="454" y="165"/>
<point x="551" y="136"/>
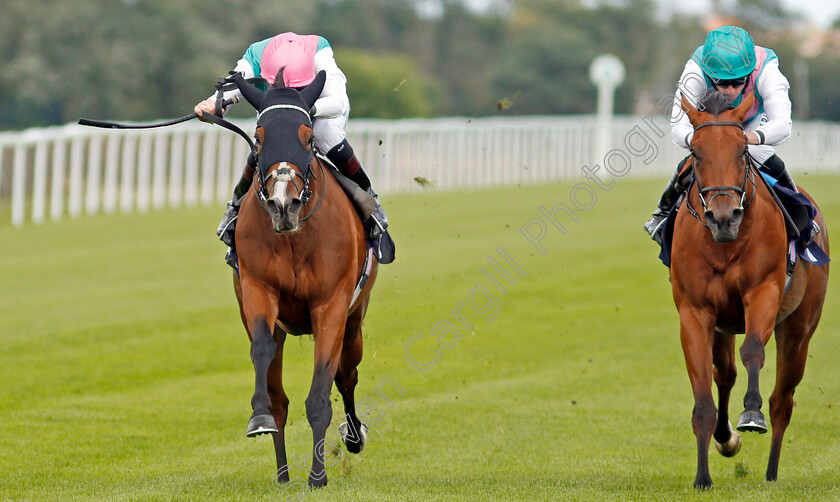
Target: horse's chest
<point x="725" y="295"/>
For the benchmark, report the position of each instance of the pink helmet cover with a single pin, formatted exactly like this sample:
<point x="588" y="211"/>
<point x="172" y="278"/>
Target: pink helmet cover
<point x="295" y="54"/>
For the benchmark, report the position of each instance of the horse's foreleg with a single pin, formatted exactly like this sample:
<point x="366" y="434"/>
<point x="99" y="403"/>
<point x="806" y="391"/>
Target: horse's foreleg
<point x="328" y="324"/>
<point x="760" y="308"/>
<point x="279" y="406"/>
<point x="792" y="337"/>
<point x="353" y="432"/>
<point x="727" y="441"/>
<point x="696" y="337"/>
<point x="260" y="311"/>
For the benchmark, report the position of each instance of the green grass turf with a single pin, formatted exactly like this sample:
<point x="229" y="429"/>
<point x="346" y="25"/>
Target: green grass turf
<point x="126" y="373"/>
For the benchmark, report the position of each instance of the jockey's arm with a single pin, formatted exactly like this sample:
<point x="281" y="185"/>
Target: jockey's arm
<point x="692" y="85"/>
<point x="773" y="88"/>
<point x="209" y="104"/>
<point x="333" y="101"/>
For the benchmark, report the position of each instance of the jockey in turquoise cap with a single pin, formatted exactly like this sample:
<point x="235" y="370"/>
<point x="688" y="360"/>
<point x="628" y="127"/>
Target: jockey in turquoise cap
<point x="731" y="63"/>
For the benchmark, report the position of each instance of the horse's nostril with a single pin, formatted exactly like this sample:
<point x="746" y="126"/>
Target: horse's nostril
<point x="294" y="206"/>
<point x="710" y="217"/>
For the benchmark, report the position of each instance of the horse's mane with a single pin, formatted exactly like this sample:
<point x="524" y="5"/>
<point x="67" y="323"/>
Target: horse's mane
<point x="715" y="102"/>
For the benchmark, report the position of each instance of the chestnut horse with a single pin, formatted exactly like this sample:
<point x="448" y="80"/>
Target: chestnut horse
<point x="300" y="264"/>
<point x="728" y="275"/>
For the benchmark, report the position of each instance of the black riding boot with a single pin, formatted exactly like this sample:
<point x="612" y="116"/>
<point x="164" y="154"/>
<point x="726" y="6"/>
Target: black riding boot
<point x="808" y="229"/>
<point x="348" y="164"/>
<point x="345" y="160"/>
<point x="676" y="186"/>
<point x="775" y="167"/>
<point x="227" y="226"/>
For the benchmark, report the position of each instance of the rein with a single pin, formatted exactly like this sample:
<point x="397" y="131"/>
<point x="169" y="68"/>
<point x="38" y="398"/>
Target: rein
<point x="226" y="84"/>
<point x="222" y="84"/>
<point x="749" y="174"/>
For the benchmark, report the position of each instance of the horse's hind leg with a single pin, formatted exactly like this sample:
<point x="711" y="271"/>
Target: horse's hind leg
<point x="792" y="338"/>
<point x="279" y="406"/>
<point x="727" y="441"/>
<point x="353" y="431"/>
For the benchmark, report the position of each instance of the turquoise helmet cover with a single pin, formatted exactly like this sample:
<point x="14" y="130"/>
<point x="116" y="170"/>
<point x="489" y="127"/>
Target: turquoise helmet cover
<point x="729" y="52"/>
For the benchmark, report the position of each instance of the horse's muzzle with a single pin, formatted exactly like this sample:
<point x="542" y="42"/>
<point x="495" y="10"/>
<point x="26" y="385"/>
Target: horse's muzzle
<point x="285" y="215"/>
<point x="724" y="224"/>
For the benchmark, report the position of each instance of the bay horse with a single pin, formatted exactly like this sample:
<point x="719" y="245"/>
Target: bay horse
<point x="728" y="276"/>
<point x="300" y="274"/>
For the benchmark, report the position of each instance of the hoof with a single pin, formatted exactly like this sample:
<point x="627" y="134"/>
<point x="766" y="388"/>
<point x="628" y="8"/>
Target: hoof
<point x="702" y="483"/>
<point x="316" y="483"/>
<point x="752" y="421"/>
<point x="353" y="444"/>
<point x="261" y="424"/>
<point x="730" y="447"/>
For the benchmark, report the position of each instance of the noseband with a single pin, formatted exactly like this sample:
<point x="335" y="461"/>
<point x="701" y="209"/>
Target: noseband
<point x="287" y="174"/>
<point x="724" y="190"/>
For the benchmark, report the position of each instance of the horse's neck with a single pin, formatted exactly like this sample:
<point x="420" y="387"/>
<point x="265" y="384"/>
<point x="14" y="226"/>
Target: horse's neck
<point x="329" y="207"/>
<point x="326" y="194"/>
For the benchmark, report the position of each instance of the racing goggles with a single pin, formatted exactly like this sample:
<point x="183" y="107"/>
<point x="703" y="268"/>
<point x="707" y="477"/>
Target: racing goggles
<point x="730" y="82"/>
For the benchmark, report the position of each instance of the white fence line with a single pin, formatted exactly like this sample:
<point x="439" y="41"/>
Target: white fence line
<point x="72" y="170"/>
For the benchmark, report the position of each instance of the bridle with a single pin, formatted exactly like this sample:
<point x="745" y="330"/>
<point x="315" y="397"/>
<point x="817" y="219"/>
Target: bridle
<point x="285" y="173"/>
<point x="741" y="191"/>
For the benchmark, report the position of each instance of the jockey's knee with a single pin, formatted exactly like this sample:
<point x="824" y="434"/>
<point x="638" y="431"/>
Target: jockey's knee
<point x="682" y="164"/>
<point x="329" y="133"/>
<point x="774" y="166"/>
<point x="761" y="153"/>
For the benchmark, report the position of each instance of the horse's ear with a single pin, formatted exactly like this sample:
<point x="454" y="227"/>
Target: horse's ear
<point x="251" y="93"/>
<point x="311" y="92"/>
<point x="740" y="112"/>
<point x="693" y="114"/>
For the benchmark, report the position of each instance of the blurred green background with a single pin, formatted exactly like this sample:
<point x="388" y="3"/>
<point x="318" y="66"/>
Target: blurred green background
<point x="147" y="59"/>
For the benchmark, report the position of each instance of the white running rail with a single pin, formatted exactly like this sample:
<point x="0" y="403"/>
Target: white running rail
<point x="57" y="172"/>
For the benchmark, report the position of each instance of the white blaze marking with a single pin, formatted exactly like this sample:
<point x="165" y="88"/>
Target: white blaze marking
<point x="282" y="180"/>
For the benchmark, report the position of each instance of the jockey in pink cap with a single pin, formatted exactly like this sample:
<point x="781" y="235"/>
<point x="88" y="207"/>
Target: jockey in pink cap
<point x="300" y="58"/>
<point x="292" y="53"/>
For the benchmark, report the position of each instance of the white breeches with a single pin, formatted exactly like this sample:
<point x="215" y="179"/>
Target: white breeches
<point x="330" y="131"/>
